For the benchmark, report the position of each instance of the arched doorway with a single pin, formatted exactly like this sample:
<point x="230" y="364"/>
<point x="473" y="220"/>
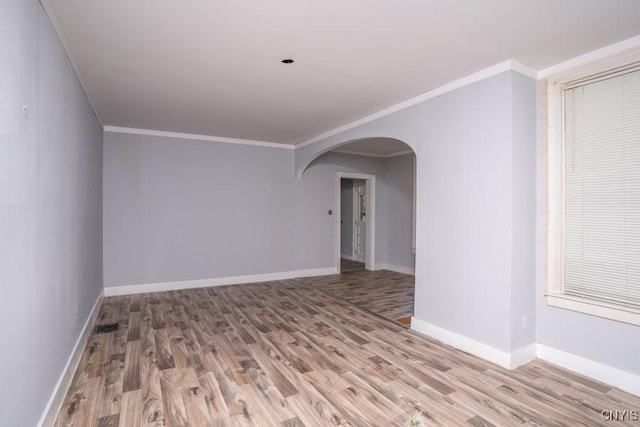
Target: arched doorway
<point x="377" y="215"/>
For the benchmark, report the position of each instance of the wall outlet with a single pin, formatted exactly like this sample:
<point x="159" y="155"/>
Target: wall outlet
<point x="524" y="322"/>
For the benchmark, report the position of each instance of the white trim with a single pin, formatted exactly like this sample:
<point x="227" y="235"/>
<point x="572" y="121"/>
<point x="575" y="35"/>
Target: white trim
<point x="370" y="255"/>
<point x="312" y="272"/>
<point x="598" y="61"/>
<point x="509" y="360"/>
<point x="347" y="257"/>
<point x="357" y="153"/>
<point x="524" y="69"/>
<point x="399" y="153"/>
<point x="110" y="291"/>
<point x="49" y="10"/>
<point x="463" y="343"/>
<point x="354" y="215"/>
<point x="397" y="268"/>
<point x="523" y="355"/>
<point x="64" y="381"/>
<point x="607" y="52"/>
<point x="594" y="308"/>
<point x="624" y="380"/>
<point x="509" y="65"/>
<point x="414" y="217"/>
<point x="555" y="185"/>
<point x="379" y="156"/>
<point x="615" y="377"/>
<point x="197" y="137"/>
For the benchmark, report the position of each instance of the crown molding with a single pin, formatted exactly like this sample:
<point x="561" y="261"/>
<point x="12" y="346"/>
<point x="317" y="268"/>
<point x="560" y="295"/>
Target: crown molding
<point x="524" y="69"/>
<point x="399" y="153"/>
<point x="622" y="49"/>
<point x="611" y="52"/>
<point x="196" y="137"/>
<point x="357" y="153"/>
<point x="509" y="65"/>
<point x="379" y="156"/>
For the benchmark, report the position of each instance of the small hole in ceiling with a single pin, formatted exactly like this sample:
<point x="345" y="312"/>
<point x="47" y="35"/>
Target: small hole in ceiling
<point x="287" y="61"/>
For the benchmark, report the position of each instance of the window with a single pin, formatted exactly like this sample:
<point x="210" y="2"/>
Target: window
<point x="594" y="192"/>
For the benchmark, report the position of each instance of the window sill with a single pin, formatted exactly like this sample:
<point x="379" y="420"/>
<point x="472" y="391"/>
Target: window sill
<point x="600" y="309"/>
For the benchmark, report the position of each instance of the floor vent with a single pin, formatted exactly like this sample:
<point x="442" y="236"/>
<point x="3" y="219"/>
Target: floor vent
<point x="106" y="328"/>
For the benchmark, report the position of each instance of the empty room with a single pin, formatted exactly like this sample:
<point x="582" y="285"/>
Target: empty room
<point x="329" y="213"/>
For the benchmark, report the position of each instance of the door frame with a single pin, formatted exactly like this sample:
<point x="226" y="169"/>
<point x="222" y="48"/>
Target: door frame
<point x="370" y="241"/>
<point x="354" y="229"/>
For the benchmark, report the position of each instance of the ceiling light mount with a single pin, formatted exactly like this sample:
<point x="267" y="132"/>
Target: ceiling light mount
<point x="287" y="61"/>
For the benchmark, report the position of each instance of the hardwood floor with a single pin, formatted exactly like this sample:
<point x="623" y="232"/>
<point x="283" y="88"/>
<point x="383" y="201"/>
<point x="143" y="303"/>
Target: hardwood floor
<point x="288" y="353"/>
<point x="348" y="266"/>
<point x="382" y="292"/>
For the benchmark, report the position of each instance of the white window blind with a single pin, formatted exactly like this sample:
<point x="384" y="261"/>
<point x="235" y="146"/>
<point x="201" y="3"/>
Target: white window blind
<point x="601" y="229"/>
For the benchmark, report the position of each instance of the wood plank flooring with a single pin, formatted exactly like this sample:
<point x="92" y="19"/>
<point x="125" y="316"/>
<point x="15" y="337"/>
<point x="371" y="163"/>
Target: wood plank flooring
<point x="349" y="266"/>
<point x="382" y="292"/>
<point x="288" y="353"/>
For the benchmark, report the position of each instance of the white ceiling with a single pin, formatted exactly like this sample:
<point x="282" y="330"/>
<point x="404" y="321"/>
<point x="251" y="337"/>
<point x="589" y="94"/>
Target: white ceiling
<point x="212" y="67"/>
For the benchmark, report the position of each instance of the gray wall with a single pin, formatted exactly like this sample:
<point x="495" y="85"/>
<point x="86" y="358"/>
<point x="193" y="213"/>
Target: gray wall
<point x="523" y="205"/>
<point x="398" y="181"/>
<point x="466" y="259"/>
<point x="314" y="196"/>
<point x="177" y="210"/>
<point x="346" y="213"/>
<point x="50" y="211"/>
<point x="476" y="189"/>
<point x="181" y="209"/>
<point x="464" y="233"/>
<point x="606" y="341"/>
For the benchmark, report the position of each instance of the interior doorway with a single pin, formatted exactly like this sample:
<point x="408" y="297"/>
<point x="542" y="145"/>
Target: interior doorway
<point x="353" y="219"/>
<point x="355" y="222"/>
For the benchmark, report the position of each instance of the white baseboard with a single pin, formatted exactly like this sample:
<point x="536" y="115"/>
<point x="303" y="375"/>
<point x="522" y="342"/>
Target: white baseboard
<point x="397" y="268"/>
<point x="623" y="380"/>
<point x="523" y="355"/>
<point x="312" y="272"/>
<point x="349" y="257"/>
<point x="509" y="360"/>
<point x="218" y="281"/>
<point x="616" y="377"/>
<point x="463" y="343"/>
<point x="64" y="381"/>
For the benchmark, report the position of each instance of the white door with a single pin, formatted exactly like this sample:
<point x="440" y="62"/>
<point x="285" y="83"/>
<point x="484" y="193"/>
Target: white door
<point x="360" y="220"/>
